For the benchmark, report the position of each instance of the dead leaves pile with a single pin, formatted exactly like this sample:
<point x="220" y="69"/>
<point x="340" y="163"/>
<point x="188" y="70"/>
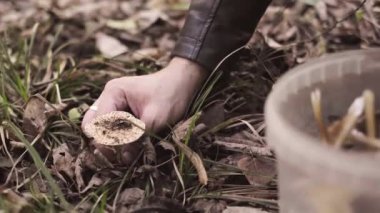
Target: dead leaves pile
<point x="81" y="172"/>
<point x="307" y="29"/>
<point x="226" y="152"/>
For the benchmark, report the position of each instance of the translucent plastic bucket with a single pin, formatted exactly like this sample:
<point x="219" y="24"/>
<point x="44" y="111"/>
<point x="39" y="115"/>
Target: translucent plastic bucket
<point x="314" y="177"/>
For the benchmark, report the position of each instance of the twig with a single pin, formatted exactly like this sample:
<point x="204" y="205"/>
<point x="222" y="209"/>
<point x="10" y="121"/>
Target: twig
<point x="261" y="151"/>
<point x="17" y="145"/>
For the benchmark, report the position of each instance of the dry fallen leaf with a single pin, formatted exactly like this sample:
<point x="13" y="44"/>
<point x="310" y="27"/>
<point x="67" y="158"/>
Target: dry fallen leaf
<point x="85" y="160"/>
<point x="63" y="161"/>
<point x="240" y="209"/>
<point x="35" y="119"/>
<point x="138" y="22"/>
<point x="154" y="203"/>
<point x="179" y="134"/>
<point x="129" y="25"/>
<point x="150" y="53"/>
<point x="213" y="115"/>
<point x="131" y="196"/>
<point x="150" y="156"/>
<point x="167" y="146"/>
<point x="109" y="46"/>
<point x="5" y="162"/>
<point x="258" y="171"/>
<point x="94" y="182"/>
<point x="209" y="206"/>
<point x="19" y="203"/>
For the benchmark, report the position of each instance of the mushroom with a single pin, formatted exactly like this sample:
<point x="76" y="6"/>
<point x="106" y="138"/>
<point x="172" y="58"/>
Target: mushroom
<point x="113" y="131"/>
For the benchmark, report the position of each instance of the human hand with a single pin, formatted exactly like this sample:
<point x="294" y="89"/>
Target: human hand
<point x="159" y="99"/>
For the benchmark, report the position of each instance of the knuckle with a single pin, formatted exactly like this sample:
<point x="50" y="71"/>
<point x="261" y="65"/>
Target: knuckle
<point x="111" y="85"/>
<point x="153" y="119"/>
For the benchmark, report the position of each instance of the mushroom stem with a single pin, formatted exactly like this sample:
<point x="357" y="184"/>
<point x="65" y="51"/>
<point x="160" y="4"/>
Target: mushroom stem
<point x="359" y="136"/>
<point x="354" y="112"/>
<point x="369" y="100"/>
<point x="317" y="111"/>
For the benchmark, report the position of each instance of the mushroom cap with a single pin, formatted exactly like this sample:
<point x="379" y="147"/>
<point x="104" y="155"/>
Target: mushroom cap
<point x="115" y="128"/>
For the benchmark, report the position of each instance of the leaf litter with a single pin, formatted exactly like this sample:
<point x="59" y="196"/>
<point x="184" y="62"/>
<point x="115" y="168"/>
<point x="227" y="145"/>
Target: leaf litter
<point x="72" y="58"/>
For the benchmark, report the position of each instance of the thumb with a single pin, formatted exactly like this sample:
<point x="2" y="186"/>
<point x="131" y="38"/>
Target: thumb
<point x="90" y="114"/>
<point x="111" y="99"/>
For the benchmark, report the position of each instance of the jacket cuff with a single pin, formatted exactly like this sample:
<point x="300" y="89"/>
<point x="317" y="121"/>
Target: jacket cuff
<point x="215" y="28"/>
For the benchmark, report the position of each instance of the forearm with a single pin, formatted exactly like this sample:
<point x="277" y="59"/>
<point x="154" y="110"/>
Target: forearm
<point x="214" y="28"/>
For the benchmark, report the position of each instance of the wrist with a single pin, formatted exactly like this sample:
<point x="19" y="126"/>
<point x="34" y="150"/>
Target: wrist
<point x="183" y="78"/>
<point x="188" y="70"/>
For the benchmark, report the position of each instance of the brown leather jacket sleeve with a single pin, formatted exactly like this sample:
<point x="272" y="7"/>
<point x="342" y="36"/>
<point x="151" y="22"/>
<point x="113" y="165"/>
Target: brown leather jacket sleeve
<point x="214" y="28"/>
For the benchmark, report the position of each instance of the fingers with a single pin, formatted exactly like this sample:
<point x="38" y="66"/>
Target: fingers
<point x="155" y="118"/>
<point x="113" y="98"/>
<point x="107" y="103"/>
<point x="90" y="114"/>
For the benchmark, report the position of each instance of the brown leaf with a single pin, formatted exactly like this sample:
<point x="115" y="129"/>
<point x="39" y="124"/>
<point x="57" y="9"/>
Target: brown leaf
<point x="150" y="53"/>
<point x="180" y="130"/>
<point x="5" y="162"/>
<point x="209" y="206"/>
<point x="128" y="25"/>
<point x="109" y="46"/>
<point x="179" y="134"/>
<point x="131" y="196"/>
<point x="167" y="146"/>
<point x="18" y="203"/>
<point x="195" y="159"/>
<point x="138" y="22"/>
<point x="63" y="161"/>
<point x="240" y="209"/>
<point x="85" y="159"/>
<point x="54" y="109"/>
<point x="147" y="18"/>
<point x="150" y="156"/>
<point x="87" y="9"/>
<point x="94" y="182"/>
<point x="235" y="146"/>
<point x="85" y="206"/>
<point x="213" y="115"/>
<point x="258" y="171"/>
<point x="152" y="204"/>
<point x="35" y="119"/>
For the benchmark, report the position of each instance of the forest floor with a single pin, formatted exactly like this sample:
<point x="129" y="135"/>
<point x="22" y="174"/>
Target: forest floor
<point x="56" y="56"/>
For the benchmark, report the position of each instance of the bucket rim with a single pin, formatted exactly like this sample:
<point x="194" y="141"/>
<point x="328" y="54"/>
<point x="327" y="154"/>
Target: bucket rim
<point x="311" y="149"/>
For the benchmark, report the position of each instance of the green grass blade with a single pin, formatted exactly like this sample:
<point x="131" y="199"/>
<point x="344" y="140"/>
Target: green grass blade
<point x="39" y="163"/>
